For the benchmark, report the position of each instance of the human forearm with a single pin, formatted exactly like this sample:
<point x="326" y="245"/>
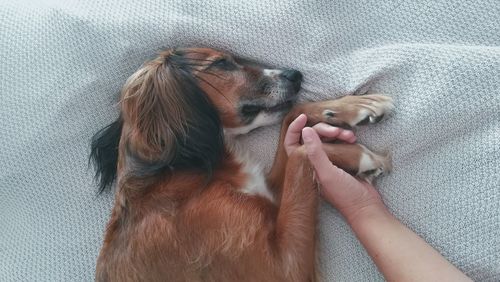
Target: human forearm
<point x="397" y="251"/>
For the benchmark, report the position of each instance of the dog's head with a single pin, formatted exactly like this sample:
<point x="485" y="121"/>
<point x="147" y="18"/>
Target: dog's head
<point x="245" y="95"/>
<point x="176" y="108"/>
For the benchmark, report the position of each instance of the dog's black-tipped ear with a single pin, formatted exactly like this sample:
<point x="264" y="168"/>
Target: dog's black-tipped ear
<point x="172" y="122"/>
<point x="104" y="154"/>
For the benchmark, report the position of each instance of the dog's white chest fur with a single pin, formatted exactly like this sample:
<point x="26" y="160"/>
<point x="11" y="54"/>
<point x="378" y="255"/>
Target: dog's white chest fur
<point x="256" y="180"/>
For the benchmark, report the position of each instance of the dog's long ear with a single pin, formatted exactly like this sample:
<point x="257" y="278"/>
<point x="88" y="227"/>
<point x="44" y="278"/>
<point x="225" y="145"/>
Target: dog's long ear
<point x="104" y="153"/>
<point x="169" y="120"/>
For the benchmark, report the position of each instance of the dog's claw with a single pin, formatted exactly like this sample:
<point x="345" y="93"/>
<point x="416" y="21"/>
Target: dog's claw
<point x="374" y="165"/>
<point x="374" y="108"/>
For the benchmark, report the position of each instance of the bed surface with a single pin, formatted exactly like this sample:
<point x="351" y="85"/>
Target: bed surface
<point x="64" y="62"/>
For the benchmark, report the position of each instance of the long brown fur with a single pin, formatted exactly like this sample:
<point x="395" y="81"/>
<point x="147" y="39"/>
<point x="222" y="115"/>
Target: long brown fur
<point x="179" y="212"/>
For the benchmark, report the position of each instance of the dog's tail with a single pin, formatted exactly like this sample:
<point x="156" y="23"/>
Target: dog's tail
<point x="104" y="154"/>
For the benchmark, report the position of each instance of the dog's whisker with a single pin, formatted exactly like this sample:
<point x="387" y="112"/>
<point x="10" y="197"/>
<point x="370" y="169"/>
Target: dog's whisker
<point x="209" y="84"/>
<point x="214" y="74"/>
<point x="201" y="60"/>
<point x="192" y="52"/>
<point x="190" y="65"/>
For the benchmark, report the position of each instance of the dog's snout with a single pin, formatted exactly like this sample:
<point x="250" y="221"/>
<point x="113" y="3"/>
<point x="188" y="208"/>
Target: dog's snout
<point x="295" y="77"/>
<point x="292" y="75"/>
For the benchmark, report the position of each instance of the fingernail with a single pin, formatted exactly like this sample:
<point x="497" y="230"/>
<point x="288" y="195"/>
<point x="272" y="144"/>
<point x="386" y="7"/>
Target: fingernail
<point x="307" y="134"/>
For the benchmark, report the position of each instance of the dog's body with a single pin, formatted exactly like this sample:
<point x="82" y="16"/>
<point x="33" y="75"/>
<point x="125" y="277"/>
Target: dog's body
<point x="190" y="204"/>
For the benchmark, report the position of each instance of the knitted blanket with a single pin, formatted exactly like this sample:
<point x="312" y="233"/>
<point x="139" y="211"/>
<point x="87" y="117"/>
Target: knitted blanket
<point x="64" y="62"/>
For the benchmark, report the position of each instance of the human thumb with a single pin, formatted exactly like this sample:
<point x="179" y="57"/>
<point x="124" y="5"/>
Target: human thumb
<point x="327" y="174"/>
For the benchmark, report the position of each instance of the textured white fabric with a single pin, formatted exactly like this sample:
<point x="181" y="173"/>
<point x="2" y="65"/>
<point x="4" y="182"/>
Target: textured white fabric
<point x="63" y="62"/>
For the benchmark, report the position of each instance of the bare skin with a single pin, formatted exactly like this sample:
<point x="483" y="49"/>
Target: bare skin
<point x="399" y="253"/>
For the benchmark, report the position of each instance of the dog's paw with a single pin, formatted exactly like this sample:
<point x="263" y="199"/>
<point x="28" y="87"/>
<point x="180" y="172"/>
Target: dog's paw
<point x="372" y="165"/>
<point x="372" y="108"/>
<point x="348" y="111"/>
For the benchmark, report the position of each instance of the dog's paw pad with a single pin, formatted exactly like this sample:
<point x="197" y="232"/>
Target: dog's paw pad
<point x="329" y="113"/>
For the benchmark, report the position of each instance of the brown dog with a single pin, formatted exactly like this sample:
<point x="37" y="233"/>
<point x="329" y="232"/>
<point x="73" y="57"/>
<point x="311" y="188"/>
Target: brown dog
<point x="190" y="203"/>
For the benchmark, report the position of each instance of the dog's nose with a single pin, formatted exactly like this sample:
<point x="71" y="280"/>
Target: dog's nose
<point x="292" y="75"/>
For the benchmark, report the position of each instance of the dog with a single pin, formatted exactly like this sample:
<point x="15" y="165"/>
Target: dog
<point x="190" y="204"/>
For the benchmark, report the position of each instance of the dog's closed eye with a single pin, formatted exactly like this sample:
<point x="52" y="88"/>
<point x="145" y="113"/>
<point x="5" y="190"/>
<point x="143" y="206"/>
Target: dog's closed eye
<point x="223" y="64"/>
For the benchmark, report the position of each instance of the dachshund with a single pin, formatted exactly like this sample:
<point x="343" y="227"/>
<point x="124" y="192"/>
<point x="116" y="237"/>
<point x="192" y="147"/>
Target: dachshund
<point x="190" y="203"/>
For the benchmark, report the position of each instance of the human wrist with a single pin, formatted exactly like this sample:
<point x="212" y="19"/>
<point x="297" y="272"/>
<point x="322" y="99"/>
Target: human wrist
<point x="368" y="211"/>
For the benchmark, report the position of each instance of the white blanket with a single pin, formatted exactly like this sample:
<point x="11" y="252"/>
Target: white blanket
<point x="63" y="63"/>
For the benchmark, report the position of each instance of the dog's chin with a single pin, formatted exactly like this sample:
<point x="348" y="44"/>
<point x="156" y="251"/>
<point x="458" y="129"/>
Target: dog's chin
<point x="266" y="116"/>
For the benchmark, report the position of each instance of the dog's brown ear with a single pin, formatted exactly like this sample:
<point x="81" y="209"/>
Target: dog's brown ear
<point x="155" y="109"/>
<point x="168" y="119"/>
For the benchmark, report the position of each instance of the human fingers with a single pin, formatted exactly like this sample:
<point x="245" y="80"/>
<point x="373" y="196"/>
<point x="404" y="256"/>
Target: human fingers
<point x="293" y="133"/>
<point x="328" y="133"/>
<point x="326" y="172"/>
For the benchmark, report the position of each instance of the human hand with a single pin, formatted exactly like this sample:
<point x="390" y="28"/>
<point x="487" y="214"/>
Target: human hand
<point x="399" y="253"/>
<point x="326" y="131"/>
<point x="348" y="195"/>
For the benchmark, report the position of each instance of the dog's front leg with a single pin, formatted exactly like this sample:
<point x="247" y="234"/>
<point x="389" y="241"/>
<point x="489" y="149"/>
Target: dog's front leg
<point x="276" y="175"/>
<point x="296" y="219"/>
